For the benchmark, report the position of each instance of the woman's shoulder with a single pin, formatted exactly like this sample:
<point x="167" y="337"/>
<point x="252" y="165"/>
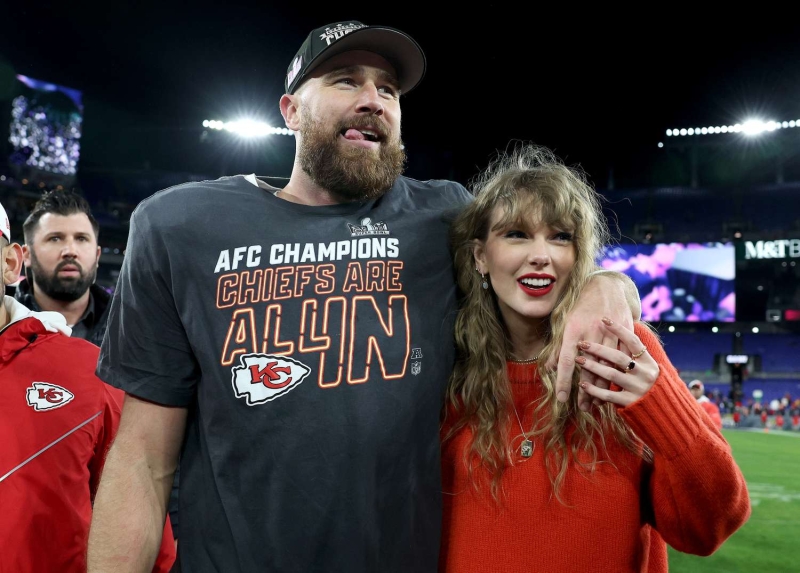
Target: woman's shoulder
<point x="647" y="333"/>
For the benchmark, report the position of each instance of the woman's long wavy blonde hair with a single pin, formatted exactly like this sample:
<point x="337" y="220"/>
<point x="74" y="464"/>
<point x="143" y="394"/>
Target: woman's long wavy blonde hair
<point x="531" y="185"/>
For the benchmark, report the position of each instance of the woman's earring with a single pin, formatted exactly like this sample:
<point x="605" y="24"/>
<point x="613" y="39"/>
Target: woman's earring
<point x="485" y="283"/>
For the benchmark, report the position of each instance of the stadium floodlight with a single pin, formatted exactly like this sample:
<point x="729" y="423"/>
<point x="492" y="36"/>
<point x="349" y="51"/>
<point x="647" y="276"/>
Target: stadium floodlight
<point x="246" y="128"/>
<point x="755" y="330"/>
<point x="714" y="329"/>
<point x="750" y="128"/>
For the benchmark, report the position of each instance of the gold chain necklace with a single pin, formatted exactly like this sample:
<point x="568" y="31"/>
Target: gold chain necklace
<point x="526" y="361"/>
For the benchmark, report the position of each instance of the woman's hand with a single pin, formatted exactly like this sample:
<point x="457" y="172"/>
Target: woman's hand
<point x="609" y="294"/>
<point x="631" y="367"/>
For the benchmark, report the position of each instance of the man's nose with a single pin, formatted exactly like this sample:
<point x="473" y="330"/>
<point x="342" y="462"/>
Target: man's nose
<point x="370" y="100"/>
<point x="69" y="249"/>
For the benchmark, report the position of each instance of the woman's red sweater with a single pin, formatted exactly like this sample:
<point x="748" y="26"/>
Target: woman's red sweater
<point x="617" y="518"/>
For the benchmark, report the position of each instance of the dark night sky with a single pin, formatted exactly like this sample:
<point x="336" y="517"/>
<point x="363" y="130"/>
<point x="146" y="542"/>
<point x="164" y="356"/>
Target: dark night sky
<point x="598" y="87"/>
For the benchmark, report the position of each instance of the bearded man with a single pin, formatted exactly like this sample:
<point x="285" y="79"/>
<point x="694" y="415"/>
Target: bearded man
<point x="293" y="345"/>
<point x="61" y="255"/>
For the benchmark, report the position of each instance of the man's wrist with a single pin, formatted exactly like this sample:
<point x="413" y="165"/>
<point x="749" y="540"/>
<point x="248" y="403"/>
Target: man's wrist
<point x="629" y="289"/>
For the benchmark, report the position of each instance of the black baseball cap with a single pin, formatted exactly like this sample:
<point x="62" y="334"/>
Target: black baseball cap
<point x="399" y="49"/>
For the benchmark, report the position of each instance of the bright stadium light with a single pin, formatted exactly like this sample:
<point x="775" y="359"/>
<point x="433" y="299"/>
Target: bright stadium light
<point x="247" y="128"/>
<point x="714" y="329"/>
<point x="750" y="128"/>
<point x="754" y="127"/>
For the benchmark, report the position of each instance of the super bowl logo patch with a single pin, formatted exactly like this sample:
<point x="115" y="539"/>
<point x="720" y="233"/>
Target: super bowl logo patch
<point x="263" y="377"/>
<point x="43" y="396"/>
<point x="367" y="227"/>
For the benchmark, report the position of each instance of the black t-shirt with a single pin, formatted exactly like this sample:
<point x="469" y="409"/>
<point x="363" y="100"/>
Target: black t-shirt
<point x="312" y="346"/>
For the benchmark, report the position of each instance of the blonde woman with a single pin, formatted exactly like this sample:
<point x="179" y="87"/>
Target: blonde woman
<point x="533" y="484"/>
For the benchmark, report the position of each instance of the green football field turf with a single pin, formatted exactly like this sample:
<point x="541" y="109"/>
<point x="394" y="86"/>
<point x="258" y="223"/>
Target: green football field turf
<point x="770" y="540"/>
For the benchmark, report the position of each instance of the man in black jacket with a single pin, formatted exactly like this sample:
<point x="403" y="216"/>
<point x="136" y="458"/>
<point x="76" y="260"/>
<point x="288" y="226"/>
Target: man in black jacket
<point x="61" y="255"/>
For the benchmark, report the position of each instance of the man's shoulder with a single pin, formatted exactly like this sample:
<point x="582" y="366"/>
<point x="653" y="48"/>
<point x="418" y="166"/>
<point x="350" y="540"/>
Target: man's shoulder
<point x="709" y="405"/>
<point x="435" y="185"/>
<point x="450" y="193"/>
<point x="75" y="358"/>
<point x="195" y="194"/>
<point x="101" y="297"/>
<point x="77" y="361"/>
<point x="77" y="349"/>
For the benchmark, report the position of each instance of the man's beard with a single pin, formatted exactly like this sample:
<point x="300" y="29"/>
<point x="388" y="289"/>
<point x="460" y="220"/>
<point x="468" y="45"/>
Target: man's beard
<point x="353" y="174"/>
<point x="63" y="289"/>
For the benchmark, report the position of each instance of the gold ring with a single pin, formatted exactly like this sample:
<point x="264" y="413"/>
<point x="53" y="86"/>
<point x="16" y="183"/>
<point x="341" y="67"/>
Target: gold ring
<point x="638" y="354"/>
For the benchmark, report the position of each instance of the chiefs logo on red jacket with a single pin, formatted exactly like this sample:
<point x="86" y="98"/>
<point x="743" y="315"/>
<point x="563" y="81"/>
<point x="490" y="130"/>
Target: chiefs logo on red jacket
<point x="45" y="396"/>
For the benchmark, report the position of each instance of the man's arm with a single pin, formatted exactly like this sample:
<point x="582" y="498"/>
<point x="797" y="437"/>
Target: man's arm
<point x="610" y="294"/>
<point x="629" y="290"/>
<point x="131" y="504"/>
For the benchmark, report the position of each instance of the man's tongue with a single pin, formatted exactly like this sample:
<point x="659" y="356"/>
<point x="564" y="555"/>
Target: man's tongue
<point x="354" y="135"/>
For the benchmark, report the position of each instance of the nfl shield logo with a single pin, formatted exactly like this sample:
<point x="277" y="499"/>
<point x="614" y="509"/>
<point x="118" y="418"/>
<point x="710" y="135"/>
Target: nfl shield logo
<point x="416" y="367"/>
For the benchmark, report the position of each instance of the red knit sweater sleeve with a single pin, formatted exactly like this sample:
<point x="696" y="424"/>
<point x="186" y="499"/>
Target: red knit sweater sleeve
<point x="698" y="495"/>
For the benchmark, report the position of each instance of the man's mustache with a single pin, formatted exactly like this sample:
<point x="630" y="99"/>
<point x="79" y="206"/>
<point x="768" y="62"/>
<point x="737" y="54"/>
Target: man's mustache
<point x="69" y="263"/>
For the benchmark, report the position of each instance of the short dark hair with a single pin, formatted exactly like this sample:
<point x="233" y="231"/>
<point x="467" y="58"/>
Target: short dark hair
<point x="58" y="202"/>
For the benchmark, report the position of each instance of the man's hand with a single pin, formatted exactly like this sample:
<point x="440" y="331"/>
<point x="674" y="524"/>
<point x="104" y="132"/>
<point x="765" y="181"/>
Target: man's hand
<point x="607" y="294"/>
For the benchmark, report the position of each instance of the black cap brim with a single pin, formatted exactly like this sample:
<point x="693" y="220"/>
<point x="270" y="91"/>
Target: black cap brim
<point x="399" y="49"/>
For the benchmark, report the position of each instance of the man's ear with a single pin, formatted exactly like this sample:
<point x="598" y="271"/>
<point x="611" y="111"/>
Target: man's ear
<point x="479" y="254"/>
<point x="290" y="111"/>
<point x="12" y="263"/>
<point x="26" y="255"/>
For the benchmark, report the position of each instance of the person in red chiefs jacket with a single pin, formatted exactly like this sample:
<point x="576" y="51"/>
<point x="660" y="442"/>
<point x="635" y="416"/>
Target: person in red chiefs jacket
<point x="57" y="420"/>
<point x="698" y="390"/>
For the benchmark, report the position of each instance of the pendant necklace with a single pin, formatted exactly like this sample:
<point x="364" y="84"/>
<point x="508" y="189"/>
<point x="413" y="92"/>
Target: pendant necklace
<point x="526" y="448"/>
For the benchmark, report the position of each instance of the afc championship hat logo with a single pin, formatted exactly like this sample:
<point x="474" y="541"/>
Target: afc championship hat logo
<point x="330" y="40"/>
<point x="339" y="31"/>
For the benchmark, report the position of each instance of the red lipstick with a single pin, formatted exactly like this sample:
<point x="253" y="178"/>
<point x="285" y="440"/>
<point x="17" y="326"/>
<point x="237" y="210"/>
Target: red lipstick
<point x="536" y="291"/>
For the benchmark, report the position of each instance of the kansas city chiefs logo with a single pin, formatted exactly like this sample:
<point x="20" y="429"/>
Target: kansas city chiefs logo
<point x="264" y="377"/>
<point x="45" y="396"/>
